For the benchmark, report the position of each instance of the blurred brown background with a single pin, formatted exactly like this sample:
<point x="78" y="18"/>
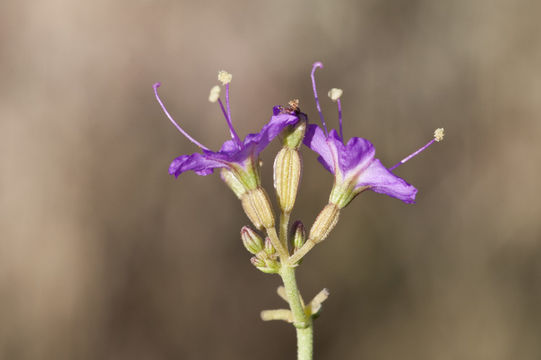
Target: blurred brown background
<point x="103" y="255"/>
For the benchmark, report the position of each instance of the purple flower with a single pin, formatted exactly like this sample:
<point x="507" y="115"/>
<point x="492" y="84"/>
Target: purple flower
<point x="237" y="156"/>
<point x="353" y="164"/>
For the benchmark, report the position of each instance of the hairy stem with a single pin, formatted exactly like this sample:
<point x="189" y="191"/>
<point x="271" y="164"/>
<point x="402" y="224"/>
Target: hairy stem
<point x="302" y="322"/>
<point x="305" y="343"/>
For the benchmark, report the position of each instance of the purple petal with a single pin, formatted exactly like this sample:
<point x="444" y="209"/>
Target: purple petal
<point x="271" y="130"/>
<point x="229" y="146"/>
<point x="379" y="179"/>
<point x="201" y="164"/>
<point x="316" y="140"/>
<point x="356" y="155"/>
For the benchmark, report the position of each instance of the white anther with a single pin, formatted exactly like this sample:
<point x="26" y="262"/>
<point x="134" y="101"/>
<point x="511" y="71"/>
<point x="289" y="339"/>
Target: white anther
<point x="214" y="94"/>
<point x="438" y="134"/>
<point x="335" y="94"/>
<point x="224" y="77"/>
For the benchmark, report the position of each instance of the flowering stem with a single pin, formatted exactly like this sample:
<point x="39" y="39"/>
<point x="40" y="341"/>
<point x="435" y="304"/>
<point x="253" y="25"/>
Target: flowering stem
<point x="305" y="342"/>
<point x="301" y="320"/>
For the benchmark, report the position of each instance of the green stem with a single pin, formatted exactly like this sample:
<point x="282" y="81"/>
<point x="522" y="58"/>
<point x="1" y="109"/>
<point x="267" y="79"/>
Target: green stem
<point x="301" y="321"/>
<point x="305" y="343"/>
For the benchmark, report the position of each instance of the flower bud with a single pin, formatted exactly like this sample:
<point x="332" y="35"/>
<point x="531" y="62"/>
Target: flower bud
<point x="325" y="222"/>
<point x="287" y="174"/>
<point x="233" y="182"/>
<point x="257" y="262"/>
<point x="251" y="241"/>
<point x="293" y="135"/>
<point x="268" y="265"/>
<point x="249" y="210"/>
<point x="257" y="207"/>
<point x="298" y="235"/>
<point x="269" y="249"/>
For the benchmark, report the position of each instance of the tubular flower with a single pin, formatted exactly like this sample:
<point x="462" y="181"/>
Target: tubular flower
<point x="238" y="158"/>
<point x="353" y="164"/>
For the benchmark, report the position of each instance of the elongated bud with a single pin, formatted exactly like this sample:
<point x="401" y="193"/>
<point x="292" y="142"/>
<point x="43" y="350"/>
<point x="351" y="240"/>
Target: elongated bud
<point x="325" y="222"/>
<point x="298" y="235"/>
<point x="233" y="182"/>
<point x="257" y="207"/>
<point x="250" y="211"/>
<point x="287" y="175"/>
<point x="293" y="135"/>
<point x="269" y="249"/>
<point x="252" y="242"/>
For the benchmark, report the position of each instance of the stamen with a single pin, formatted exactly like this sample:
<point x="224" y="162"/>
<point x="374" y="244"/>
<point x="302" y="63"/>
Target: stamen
<point x="438" y="136"/>
<point x="232" y="131"/>
<point x="228" y="106"/>
<point x="224" y="77"/>
<point x="155" y="87"/>
<point x="335" y="95"/>
<point x="314" y="67"/>
<point x="340" y="118"/>
<point x="228" y="116"/>
<point x="214" y="94"/>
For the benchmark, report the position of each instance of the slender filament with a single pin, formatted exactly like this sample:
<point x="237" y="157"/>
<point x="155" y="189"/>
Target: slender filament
<point x="156" y="86"/>
<point x="412" y="155"/>
<point x="234" y="135"/>
<point x="314" y="67"/>
<point x="340" y="118"/>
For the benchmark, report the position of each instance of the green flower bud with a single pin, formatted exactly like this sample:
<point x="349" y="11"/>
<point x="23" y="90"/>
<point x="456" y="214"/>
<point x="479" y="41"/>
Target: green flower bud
<point x="269" y="249"/>
<point x="298" y="235"/>
<point x="269" y="266"/>
<point x="325" y="222"/>
<point x="257" y="207"/>
<point x="251" y="241"/>
<point x="257" y="262"/>
<point x="287" y="175"/>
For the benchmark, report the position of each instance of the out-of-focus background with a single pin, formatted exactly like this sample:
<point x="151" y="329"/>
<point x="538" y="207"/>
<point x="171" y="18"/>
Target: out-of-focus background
<point x="103" y="255"/>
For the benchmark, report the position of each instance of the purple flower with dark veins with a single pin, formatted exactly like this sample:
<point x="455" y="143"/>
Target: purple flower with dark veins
<point x="237" y="158"/>
<point x="353" y="164"/>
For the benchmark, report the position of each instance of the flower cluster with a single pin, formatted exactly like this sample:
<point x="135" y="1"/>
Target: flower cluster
<point x="353" y="164"/>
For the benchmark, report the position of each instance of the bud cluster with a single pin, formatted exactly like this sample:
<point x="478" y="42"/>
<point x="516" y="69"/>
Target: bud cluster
<point x="265" y="257"/>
